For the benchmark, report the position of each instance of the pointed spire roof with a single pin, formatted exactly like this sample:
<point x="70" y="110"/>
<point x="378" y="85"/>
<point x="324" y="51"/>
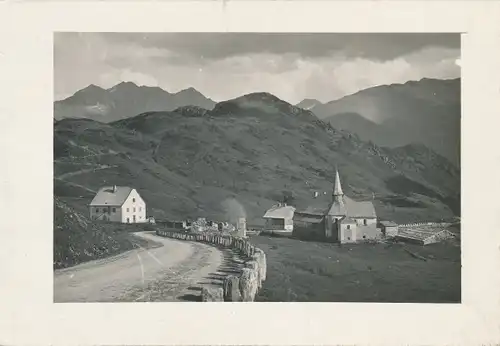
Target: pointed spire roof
<point x="337" y="188"/>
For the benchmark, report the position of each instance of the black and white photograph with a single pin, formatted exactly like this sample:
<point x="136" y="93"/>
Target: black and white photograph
<point x="257" y="167"/>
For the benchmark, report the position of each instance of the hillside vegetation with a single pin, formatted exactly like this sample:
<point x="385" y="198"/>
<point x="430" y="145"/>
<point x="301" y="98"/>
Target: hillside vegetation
<point x="321" y="272"/>
<point x="425" y="111"/>
<point x="253" y="149"/>
<point x="77" y="239"/>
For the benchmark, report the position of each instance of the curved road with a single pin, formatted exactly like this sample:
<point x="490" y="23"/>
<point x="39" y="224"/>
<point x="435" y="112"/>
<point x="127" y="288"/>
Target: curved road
<point x="172" y="272"/>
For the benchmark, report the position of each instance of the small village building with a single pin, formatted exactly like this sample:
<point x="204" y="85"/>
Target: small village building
<point x="118" y="204"/>
<point x="345" y="220"/>
<point x="309" y="224"/>
<point x="279" y="218"/>
<point x="389" y="228"/>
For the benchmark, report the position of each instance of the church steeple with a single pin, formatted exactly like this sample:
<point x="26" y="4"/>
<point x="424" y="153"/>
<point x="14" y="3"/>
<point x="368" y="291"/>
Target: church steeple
<point x="338" y="207"/>
<point x="337" y="188"/>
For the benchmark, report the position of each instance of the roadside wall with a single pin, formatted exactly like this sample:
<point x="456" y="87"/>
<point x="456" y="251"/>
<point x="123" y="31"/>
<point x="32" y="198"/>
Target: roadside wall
<point x="238" y="287"/>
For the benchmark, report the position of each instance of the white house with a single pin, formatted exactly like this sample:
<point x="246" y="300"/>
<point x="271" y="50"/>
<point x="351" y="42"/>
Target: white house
<point x="118" y="204"/>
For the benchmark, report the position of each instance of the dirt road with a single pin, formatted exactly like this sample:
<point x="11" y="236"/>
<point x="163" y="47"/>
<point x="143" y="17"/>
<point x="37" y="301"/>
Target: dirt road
<point x="173" y="272"/>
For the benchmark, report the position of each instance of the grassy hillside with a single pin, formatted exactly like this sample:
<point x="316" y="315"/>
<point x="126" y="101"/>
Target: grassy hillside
<point x="425" y="111"/>
<point x="253" y="149"/>
<point x="321" y="272"/>
<point x="77" y="239"/>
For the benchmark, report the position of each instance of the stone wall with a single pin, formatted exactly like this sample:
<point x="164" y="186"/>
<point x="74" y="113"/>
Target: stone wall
<point x="240" y="287"/>
<point x="420" y="224"/>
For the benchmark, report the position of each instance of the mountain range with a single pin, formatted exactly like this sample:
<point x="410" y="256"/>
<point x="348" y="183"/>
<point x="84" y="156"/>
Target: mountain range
<point x="125" y="100"/>
<point x="253" y="149"/>
<point x="426" y="111"/>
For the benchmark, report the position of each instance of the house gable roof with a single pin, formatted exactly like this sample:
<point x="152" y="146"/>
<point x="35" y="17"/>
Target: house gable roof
<point x="106" y="196"/>
<point x="310" y="218"/>
<point x="280" y="212"/>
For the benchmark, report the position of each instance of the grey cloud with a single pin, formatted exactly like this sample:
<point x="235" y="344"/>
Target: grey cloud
<point x="212" y="46"/>
<point x="222" y="66"/>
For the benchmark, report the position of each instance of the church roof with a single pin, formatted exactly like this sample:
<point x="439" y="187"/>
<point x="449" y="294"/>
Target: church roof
<point x="338" y="207"/>
<point x="339" y="204"/>
<point x="347" y="220"/>
<point x="353" y="208"/>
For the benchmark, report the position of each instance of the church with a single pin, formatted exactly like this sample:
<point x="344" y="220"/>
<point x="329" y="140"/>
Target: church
<point x="342" y="219"/>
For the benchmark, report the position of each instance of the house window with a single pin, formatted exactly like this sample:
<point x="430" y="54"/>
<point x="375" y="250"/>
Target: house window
<point x="128" y="210"/>
<point x="96" y="210"/>
<point x="128" y="220"/>
<point x="133" y="200"/>
<point x="348" y="226"/>
<point x="114" y="210"/>
<point x="364" y="222"/>
<point x="348" y="238"/>
<point x="134" y="209"/>
<point x="140" y="208"/>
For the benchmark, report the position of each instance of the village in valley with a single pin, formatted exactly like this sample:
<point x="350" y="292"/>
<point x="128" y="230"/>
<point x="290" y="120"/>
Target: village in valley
<point x="226" y="192"/>
<point x="341" y="220"/>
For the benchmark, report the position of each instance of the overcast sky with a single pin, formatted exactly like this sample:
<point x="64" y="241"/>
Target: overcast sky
<point x="226" y="65"/>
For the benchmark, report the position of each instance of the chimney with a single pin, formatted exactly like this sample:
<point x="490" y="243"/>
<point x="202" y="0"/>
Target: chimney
<point x="241" y="227"/>
<point x="114" y="188"/>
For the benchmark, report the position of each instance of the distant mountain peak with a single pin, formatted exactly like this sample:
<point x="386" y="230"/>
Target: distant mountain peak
<point x="263" y="101"/>
<point x="91" y="88"/>
<point x="308" y="103"/>
<point x="189" y="90"/>
<point x="127" y="99"/>
<point x="259" y="96"/>
<point x="310" y="100"/>
<point x="126" y="83"/>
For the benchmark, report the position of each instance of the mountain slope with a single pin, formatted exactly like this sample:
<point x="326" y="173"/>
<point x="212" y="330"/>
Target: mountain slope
<point x="427" y="112"/>
<point x="253" y="149"/>
<point x="308" y="103"/>
<point x="125" y="100"/>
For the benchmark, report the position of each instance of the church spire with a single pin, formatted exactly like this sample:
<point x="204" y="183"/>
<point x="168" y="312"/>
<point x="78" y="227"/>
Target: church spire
<point x="337" y="188"/>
